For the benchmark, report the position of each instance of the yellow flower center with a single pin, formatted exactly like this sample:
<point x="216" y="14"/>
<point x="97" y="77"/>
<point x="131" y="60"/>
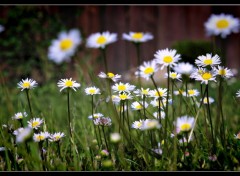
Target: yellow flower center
<point x="207" y="76"/>
<point x="145" y="92"/>
<point x="223" y="23"/>
<point x="205" y="100"/>
<point x="57" y="137"/>
<point x="191" y="92"/>
<point x="40" y="137"/>
<point x="34" y="124"/>
<point x="92" y="91"/>
<point x="160" y="94"/>
<point x="139" y="124"/>
<point x="121" y="87"/>
<point x="110" y="75"/>
<point x="137" y="35"/>
<point x="65" y="44"/>
<point x="149" y="70"/>
<point x="68" y="83"/>
<point x="26" y="84"/>
<point x="123" y="96"/>
<point x="185" y="127"/>
<point x="101" y="40"/>
<point x="168" y="59"/>
<point x="222" y="72"/>
<point x="208" y="62"/>
<point x="173" y="75"/>
<point x="139" y="106"/>
<point x="20" y="116"/>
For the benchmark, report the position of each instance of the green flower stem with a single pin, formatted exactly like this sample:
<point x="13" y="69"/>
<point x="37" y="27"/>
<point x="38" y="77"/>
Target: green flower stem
<point x="144" y="109"/>
<point x="29" y="104"/>
<point x="94" y="124"/>
<point x="139" y="61"/>
<point x="210" y="118"/>
<point x="69" y="119"/>
<point x="103" y="50"/>
<point x="59" y="149"/>
<point x="105" y="139"/>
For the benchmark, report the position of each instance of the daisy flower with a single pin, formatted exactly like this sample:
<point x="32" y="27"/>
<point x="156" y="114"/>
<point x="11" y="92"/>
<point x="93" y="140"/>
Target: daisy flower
<point x="121" y="87"/>
<point x="223" y="72"/>
<point x="167" y="57"/>
<point x="95" y="116"/>
<point x="23" y="134"/>
<point x="35" y="123"/>
<point x="64" y="47"/>
<point x="208" y="60"/>
<point x="110" y="75"/>
<point x="210" y="99"/>
<point x="184" y="68"/>
<point x="115" y="137"/>
<point x="137" y="37"/>
<point x="221" y="24"/>
<point x="238" y="93"/>
<point x="178" y="92"/>
<point x="68" y="83"/>
<point x="162" y="113"/>
<point x="204" y="75"/>
<point x="184" y="123"/>
<point x="27" y="84"/>
<point x="155" y="103"/>
<point x="137" y="124"/>
<point x="101" y="40"/>
<point x="40" y="136"/>
<point x="237" y="136"/>
<point x="142" y="92"/>
<point x="2" y="28"/>
<point x="19" y="115"/>
<point x="162" y="92"/>
<point x="149" y="124"/>
<point x="191" y="93"/>
<point x="92" y="91"/>
<point x="173" y="75"/>
<point x="18" y="131"/>
<point x="138" y="106"/>
<point x="56" y="137"/>
<point x="147" y="69"/>
<point x="103" y="121"/>
<point x="121" y="97"/>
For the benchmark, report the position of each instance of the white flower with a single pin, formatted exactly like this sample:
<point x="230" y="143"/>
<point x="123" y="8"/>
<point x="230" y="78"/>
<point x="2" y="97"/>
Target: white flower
<point x="95" y="116"/>
<point x="173" y="75"/>
<point x="137" y="37"/>
<point x="103" y="121"/>
<point x="56" y="136"/>
<point x="221" y="24"/>
<point x="204" y="75"/>
<point x="162" y="114"/>
<point x="223" y="72"/>
<point x="2" y="28"/>
<point x="35" y="123"/>
<point x="238" y="93"/>
<point x="184" y="68"/>
<point x="68" y="83"/>
<point x="138" y="106"/>
<point x="147" y="69"/>
<point x="92" y="91"/>
<point x="149" y="124"/>
<point x="27" y="84"/>
<point x="40" y="136"/>
<point x="167" y="57"/>
<point x="110" y="75"/>
<point x="64" y="47"/>
<point x="137" y="124"/>
<point x="115" y="137"/>
<point x="142" y="92"/>
<point x="101" y="40"/>
<point x="121" y="97"/>
<point x="160" y="92"/>
<point x="191" y="93"/>
<point x="19" y="115"/>
<point x="121" y="87"/>
<point x="208" y="60"/>
<point x="205" y="100"/>
<point x="178" y="92"/>
<point x="23" y="135"/>
<point x="184" y="123"/>
<point x="18" y="131"/>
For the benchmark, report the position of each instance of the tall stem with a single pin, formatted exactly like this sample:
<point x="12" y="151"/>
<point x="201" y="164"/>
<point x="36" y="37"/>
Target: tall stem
<point x="103" y="50"/>
<point x="94" y="124"/>
<point x="29" y="104"/>
<point x="69" y="119"/>
<point x="138" y="61"/>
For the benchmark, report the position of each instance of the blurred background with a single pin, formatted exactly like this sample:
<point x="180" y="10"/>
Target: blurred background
<point x="30" y="29"/>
